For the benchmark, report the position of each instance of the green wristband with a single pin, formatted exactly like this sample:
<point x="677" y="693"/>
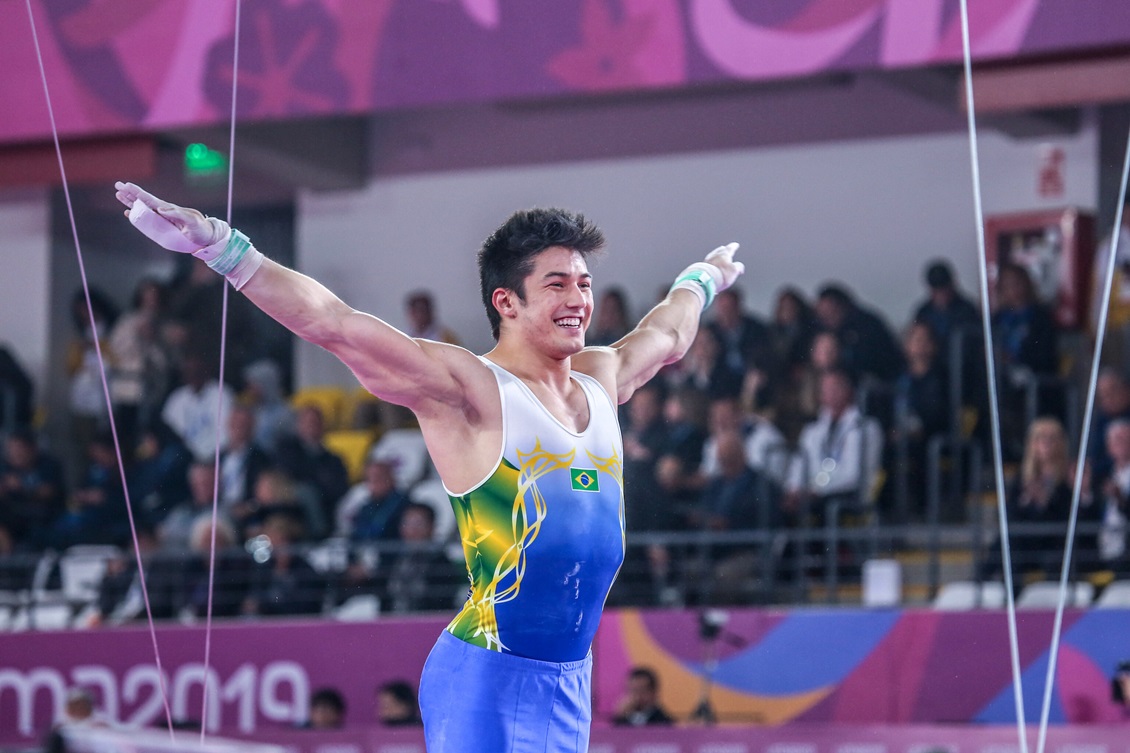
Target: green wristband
<point x="700" y="278"/>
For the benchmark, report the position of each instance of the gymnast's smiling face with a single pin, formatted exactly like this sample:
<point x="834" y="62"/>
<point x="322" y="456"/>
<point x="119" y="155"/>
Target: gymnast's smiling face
<point x="554" y="311"/>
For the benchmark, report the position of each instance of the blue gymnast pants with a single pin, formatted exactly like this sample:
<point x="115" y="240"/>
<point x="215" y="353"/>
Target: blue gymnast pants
<point x="474" y="700"/>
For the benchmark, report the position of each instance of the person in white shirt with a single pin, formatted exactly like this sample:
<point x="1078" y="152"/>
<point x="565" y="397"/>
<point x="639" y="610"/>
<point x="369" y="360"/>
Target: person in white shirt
<point x="191" y="409"/>
<point x="838" y="454"/>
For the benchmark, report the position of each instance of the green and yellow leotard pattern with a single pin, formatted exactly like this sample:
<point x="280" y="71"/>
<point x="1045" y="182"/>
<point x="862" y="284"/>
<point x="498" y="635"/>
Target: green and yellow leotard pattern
<point x="543" y="535"/>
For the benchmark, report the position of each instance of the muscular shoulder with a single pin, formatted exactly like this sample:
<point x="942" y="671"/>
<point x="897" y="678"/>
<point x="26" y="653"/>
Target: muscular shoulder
<point x="599" y="362"/>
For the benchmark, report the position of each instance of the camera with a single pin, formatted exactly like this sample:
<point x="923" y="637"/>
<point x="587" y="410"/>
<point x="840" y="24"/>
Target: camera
<point x="1120" y="683"/>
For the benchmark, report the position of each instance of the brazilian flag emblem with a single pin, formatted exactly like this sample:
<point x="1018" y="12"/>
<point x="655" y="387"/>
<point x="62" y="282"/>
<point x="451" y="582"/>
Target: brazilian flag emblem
<point x="584" y="479"/>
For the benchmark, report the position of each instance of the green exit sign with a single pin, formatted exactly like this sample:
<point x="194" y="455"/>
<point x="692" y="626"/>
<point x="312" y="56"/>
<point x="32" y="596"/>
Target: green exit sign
<point x="201" y="161"/>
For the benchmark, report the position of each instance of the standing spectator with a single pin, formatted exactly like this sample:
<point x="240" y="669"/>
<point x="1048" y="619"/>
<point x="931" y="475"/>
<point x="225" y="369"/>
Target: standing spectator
<point x="31" y="490"/>
<point x="922" y="406"/>
<point x="1025" y="337"/>
<point x="311" y="462"/>
<point x="422" y="321"/>
<point x="263" y="393"/>
<point x="611" y="320"/>
<point x="867" y="343"/>
<point x="640" y="705"/>
<point x="191" y="409"/>
<point x="141" y="373"/>
<point x="397" y="705"/>
<point x="946" y="310"/>
<point x="284" y="583"/>
<point x="242" y="460"/>
<point x="16" y="392"/>
<point x="371" y="510"/>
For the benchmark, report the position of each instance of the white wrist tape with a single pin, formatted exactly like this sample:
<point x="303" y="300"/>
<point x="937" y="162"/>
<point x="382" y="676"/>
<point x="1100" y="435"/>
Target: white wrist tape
<point x="702" y="279"/>
<point x="237" y="260"/>
<point x="158" y="229"/>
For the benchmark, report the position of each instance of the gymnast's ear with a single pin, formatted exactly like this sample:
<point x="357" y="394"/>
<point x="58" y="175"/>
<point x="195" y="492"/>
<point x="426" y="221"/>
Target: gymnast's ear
<point x="505" y="301"/>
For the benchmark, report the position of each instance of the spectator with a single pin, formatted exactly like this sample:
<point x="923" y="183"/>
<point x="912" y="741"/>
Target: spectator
<point x="799" y="401"/>
<point x="141" y="370"/>
<point x="763" y="445"/>
<point x="86" y="400"/>
<point x="78" y="712"/>
<point x="277" y="492"/>
<point x="397" y="705"/>
<point x="419" y="576"/>
<point x="1025" y="337"/>
<point x="160" y="472"/>
<point x="1040" y="495"/>
<point x="371" y="510"/>
<point x="946" y="310"/>
<point x="191" y="409"/>
<point x="1115" y="497"/>
<point x="677" y="467"/>
<point x="1112" y="402"/>
<point x="838" y="454"/>
<point x="742" y="337"/>
<point x="791" y="331"/>
<point x="422" y="320"/>
<point x="243" y="459"/>
<point x="31" y="490"/>
<point x="706" y="369"/>
<point x="611" y="320"/>
<point x="309" y="461"/>
<point x="640" y="705"/>
<point x="227" y="588"/>
<point x="645" y="438"/>
<point x="120" y="597"/>
<point x="283" y="583"/>
<point x="922" y="406"/>
<point x="263" y="393"/>
<point x="16" y="392"/>
<point x="177" y="521"/>
<point x="327" y="710"/>
<point x="96" y="510"/>
<point x="868" y="346"/>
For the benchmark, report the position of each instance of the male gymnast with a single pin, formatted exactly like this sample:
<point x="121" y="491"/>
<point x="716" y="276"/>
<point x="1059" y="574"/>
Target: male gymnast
<point x="525" y="440"/>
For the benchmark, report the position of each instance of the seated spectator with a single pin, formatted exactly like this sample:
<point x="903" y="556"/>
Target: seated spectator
<point x="242" y="460"/>
<point x="791" y="332"/>
<point x="645" y="438"/>
<point x="176" y="522"/>
<point x="310" y="462"/>
<point x="1115" y="509"/>
<point x="371" y="509"/>
<point x="418" y="576"/>
<point x="227" y="588"/>
<point x="640" y="705"/>
<point x="764" y="445"/>
<point x="422" y="320"/>
<point x="16" y="392"/>
<point x="397" y="705"/>
<point x="17" y="569"/>
<point x="120" y="596"/>
<point x="191" y="409"/>
<point x="1112" y="403"/>
<point x="611" y="320"/>
<point x="78" y="712"/>
<point x="31" y="490"/>
<point x="263" y="393"/>
<point x="96" y="511"/>
<point x="799" y="401"/>
<point x="1040" y="495"/>
<point x="677" y="467"/>
<point x="868" y="346"/>
<point x="327" y="710"/>
<point x="946" y="310"/>
<point x="706" y="369"/>
<point x="275" y="491"/>
<point x="742" y="338"/>
<point x="838" y="454"/>
<point x="159" y="478"/>
<point x="283" y="583"/>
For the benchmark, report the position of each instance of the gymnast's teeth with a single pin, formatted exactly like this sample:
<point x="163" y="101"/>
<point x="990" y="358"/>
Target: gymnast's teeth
<point x="569" y="322"/>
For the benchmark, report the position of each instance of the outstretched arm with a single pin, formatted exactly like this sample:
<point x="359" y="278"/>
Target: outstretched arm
<point x="387" y="362"/>
<point x="665" y="334"/>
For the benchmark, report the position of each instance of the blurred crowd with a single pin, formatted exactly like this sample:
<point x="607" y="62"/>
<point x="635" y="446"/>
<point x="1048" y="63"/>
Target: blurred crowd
<point x="821" y="414"/>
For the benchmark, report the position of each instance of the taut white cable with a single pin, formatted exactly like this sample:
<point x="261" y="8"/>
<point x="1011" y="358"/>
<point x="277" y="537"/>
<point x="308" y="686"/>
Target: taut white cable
<point x="994" y="411"/>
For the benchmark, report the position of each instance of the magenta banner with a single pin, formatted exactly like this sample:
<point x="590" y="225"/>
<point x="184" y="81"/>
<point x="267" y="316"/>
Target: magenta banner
<point x="779" y="669"/>
<point x="128" y="65"/>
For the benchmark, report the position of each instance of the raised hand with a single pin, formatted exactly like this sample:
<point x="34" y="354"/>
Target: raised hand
<point x="723" y="258"/>
<point x="176" y="228"/>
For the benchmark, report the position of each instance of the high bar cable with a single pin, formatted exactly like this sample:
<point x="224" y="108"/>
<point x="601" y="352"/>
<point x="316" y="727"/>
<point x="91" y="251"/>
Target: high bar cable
<point x="102" y="369"/>
<point x="219" y="400"/>
<point x="994" y="409"/>
<point x="1077" y="490"/>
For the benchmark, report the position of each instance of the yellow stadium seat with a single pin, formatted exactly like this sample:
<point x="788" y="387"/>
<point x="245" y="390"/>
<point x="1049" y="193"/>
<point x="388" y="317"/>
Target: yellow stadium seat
<point x="352" y="446"/>
<point x="330" y="399"/>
